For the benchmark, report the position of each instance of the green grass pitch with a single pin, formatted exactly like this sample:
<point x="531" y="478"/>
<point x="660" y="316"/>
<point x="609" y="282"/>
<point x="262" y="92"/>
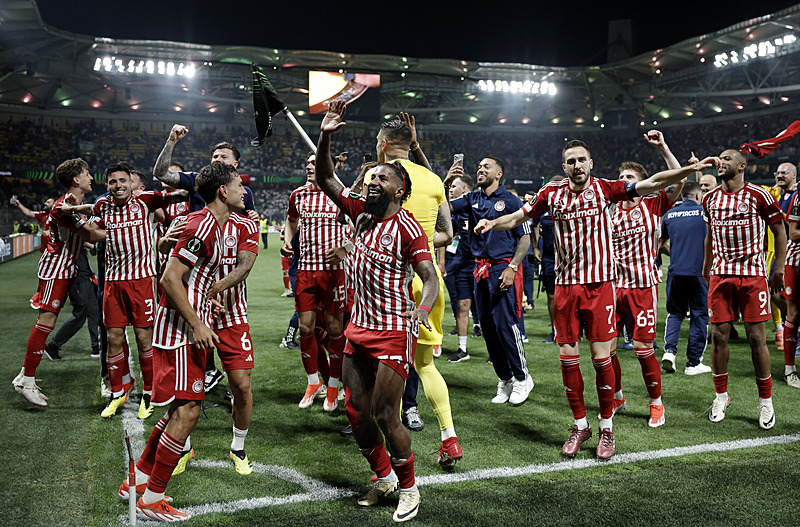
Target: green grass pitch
<point x="63" y="465"/>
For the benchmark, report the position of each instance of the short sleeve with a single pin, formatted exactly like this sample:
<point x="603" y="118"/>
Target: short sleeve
<point x="186" y="181"/>
<point x="352" y="204"/>
<point x="537" y="205"/>
<point x="190" y="247"/>
<point x="794" y="209"/>
<point x="293" y="212"/>
<point x="769" y="209"/>
<point x="248" y="236"/>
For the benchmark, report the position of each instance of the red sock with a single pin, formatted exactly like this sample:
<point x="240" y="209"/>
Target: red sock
<point x="148" y="457"/>
<point x="573" y="384"/>
<point x="146" y="365"/>
<point x="287" y="284"/>
<point x="789" y="342"/>
<point x="322" y="363"/>
<point x="351" y="413"/>
<point x="764" y="387"/>
<point x="35" y="349"/>
<point x="651" y="371"/>
<point x="378" y="460"/>
<point x="605" y="380"/>
<point x="167" y="456"/>
<point x="115" y="371"/>
<point x="308" y="352"/>
<point x="721" y="382"/>
<point x="336" y="354"/>
<point x="405" y="472"/>
<point x="126" y="366"/>
<point x="617" y="372"/>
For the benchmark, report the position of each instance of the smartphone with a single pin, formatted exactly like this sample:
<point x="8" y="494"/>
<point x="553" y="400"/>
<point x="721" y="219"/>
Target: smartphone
<point x="14" y="200"/>
<point x="458" y="158"/>
<point x="367" y="158"/>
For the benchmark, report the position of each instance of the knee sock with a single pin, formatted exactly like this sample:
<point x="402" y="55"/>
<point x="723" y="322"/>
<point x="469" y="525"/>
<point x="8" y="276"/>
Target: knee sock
<point x="573" y="384"/>
<point x="721" y="383"/>
<point x="35" y="348"/>
<point x="605" y="381"/>
<point x="789" y="342"/>
<point x="146" y="365"/>
<point x="764" y="387"/>
<point x="404" y="468"/>
<point x="336" y="354"/>
<point x="115" y="373"/>
<point x="651" y="371"/>
<point x="168" y="454"/>
<point x="308" y="352"/>
<point x="148" y="457"/>
<point x="617" y="372"/>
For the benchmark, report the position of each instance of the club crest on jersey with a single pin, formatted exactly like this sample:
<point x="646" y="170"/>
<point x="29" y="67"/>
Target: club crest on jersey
<point x="636" y="215"/>
<point x="230" y="241"/>
<point x="386" y="240"/>
<point x="56" y="303"/>
<point x="194" y="245"/>
<point x="743" y="207"/>
<point x="134" y="208"/>
<point x="500" y="206"/>
<point x="198" y="386"/>
<point x="789" y="291"/>
<point x="588" y="194"/>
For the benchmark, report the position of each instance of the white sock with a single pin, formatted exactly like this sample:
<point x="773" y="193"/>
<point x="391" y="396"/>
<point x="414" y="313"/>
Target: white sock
<point x="187" y="445"/>
<point x="152" y="497"/>
<point x="390" y="477"/>
<point x="141" y="477"/>
<point x="29" y="381"/>
<point x="582" y="423"/>
<point x="606" y="423"/>
<point x="333" y="382"/>
<point x="238" y="438"/>
<point x="789" y="368"/>
<point x="447" y="433"/>
<point x="618" y="396"/>
<point x="412" y="488"/>
<point x="462" y="342"/>
<point x="656" y="401"/>
<point x="723" y="396"/>
<point x="767" y="401"/>
<point x="779" y="326"/>
<point x="313" y="379"/>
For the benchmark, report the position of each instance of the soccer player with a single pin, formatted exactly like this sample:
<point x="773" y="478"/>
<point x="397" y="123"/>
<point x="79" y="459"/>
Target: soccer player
<point x="737" y="213"/>
<point x="39" y="215"/>
<point x="792" y="293"/>
<point x="498" y="256"/>
<point x="429" y="206"/>
<point x="636" y="231"/>
<point x="57" y="270"/>
<point x="585" y="275"/>
<point x="686" y="289"/>
<point x="183" y="337"/>
<point x="460" y="264"/>
<point x="390" y="246"/>
<point x="319" y="284"/>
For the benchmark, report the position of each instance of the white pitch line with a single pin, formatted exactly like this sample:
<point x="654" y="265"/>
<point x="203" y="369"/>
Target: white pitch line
<point x="319" y="491"/>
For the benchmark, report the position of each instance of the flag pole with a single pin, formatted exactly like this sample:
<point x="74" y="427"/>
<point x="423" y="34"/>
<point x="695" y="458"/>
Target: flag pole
<point x="306" y="138"/>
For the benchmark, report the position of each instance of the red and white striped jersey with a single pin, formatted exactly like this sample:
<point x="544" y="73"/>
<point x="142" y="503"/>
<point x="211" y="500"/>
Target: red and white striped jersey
<point x="636" y="232"/>
<point x="172" y="211"/>
<point x="318" y="228"/>
<point x="129" y="235"/>
<point x="199" y="248"/>
<point x="238" y="234"/>
<point x="793" y="248"/>
<point x="581" y="228"/>
<point x="383" y="261"/>
<point x="60" y="257"/>
<point x="737" y="222"/>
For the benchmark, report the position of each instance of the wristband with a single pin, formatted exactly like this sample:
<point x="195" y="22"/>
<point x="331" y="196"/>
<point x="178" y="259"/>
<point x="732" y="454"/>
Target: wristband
<point x="348" y="246"/>
<point x="424" y="308"/>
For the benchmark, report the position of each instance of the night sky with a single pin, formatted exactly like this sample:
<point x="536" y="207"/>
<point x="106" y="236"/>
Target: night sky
<point x="553" y="33"/>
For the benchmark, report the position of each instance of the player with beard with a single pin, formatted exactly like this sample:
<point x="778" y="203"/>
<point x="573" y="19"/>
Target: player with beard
<point x="737" y="213"/>
<point x="585" y="274"/>
<point x="389" y="247"/>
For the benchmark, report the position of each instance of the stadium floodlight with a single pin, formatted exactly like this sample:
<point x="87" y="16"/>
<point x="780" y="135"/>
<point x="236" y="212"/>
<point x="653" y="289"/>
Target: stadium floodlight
<point x="527" y="87"/>
<point x="136" y="66"/>
<point x="763" y="49"/>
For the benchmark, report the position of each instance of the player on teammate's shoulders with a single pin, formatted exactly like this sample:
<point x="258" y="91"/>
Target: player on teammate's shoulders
<point x="737" y="213"/>
<point x="390" y="246"/>
<point x="57" y="270"/>
<point x="183" y="337"/>
<point x="585" y="274"/>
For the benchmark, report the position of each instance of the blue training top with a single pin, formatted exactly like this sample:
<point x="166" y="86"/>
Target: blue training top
<point x="685" y="228"/>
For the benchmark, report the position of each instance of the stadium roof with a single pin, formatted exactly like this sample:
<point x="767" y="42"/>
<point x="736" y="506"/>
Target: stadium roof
<point x="750" y="66"/>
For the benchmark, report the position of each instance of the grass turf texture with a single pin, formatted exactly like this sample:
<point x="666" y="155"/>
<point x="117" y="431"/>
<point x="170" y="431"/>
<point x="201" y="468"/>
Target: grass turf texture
<point x="64" y="464"/>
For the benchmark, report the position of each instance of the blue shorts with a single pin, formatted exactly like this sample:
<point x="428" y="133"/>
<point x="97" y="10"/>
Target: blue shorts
<point x="548" y="276"/>
<point x="461" y="275"/>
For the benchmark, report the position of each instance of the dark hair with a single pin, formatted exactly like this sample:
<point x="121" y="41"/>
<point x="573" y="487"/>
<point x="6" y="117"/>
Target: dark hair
<point x="173" y="163"/>
<point x="69" y="169"/>
<point x="120" y="166"/>
<point x="574" y="144"/>
<point x="468" y="181"/>
<point x="636" y="167"/>
<point x="211" y="177"/>
<point x="499" y="163"/>
<point x="223" y="144"/>
<point x="401" y="172"/>
<point x="690" y="188"/>
<point x="397" y="131"/>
